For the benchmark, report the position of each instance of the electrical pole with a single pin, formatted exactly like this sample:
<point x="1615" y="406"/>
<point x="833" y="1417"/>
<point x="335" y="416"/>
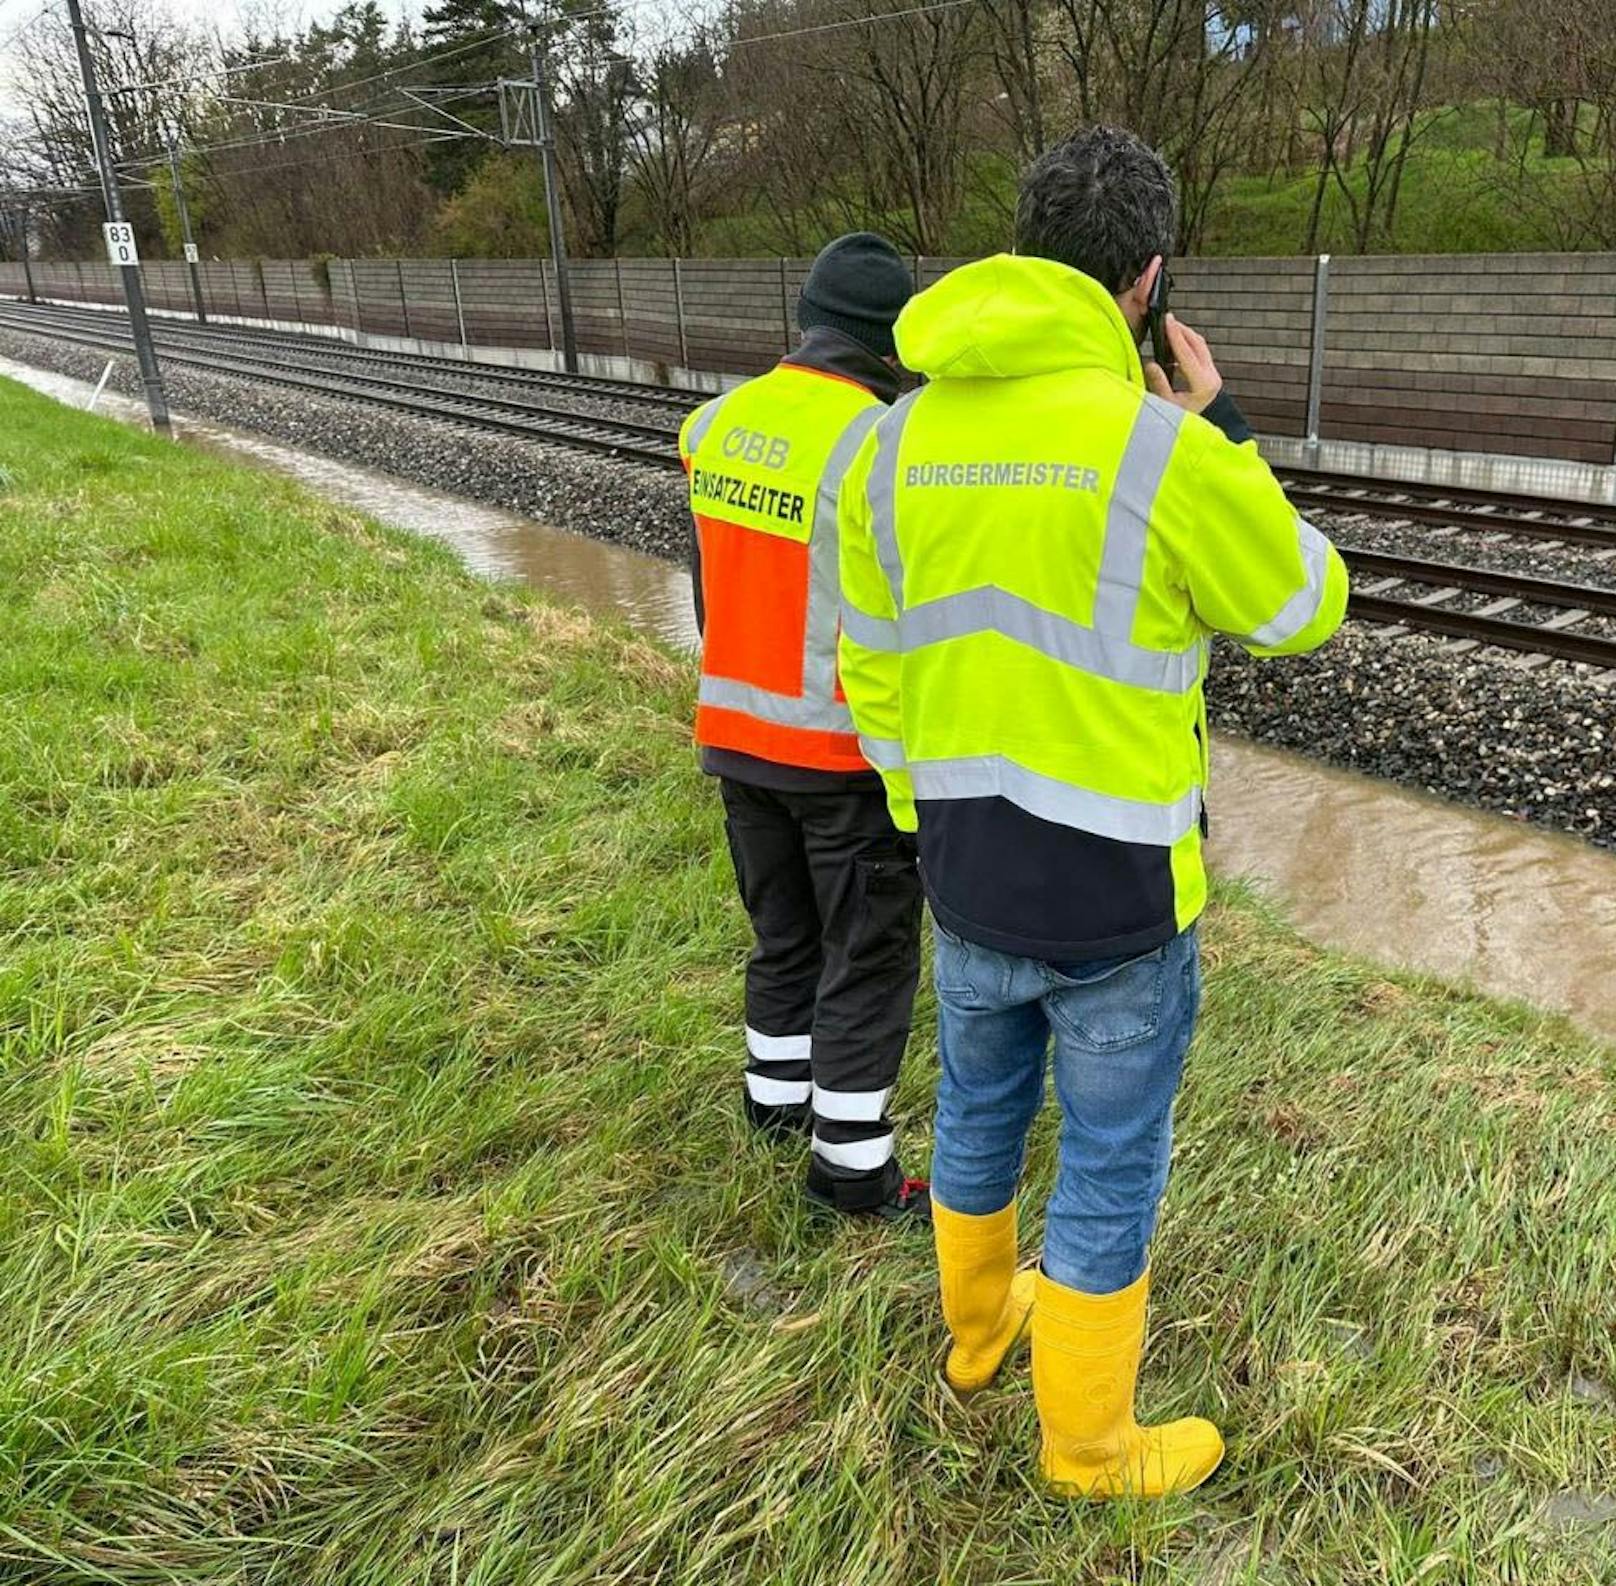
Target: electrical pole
<point x="27" y="263"/>
<point x="552" y="198"/>
<point x="19" y="230"/>
<point x="145" y="354"/>
<point x="185" y="232"/>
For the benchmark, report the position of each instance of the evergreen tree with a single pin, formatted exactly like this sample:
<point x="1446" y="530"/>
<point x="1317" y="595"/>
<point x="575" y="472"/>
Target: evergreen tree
<point x="484" y="25"/>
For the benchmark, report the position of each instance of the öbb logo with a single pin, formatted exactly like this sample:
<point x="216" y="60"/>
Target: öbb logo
<point x="753" y="446"/>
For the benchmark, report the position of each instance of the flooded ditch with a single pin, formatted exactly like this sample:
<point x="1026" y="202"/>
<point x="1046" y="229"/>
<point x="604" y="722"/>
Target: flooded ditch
<point x="1397" y="876"/>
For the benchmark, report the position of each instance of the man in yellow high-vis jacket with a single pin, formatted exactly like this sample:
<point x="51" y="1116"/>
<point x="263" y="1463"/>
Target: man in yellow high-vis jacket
<point x="1036" y="548"/>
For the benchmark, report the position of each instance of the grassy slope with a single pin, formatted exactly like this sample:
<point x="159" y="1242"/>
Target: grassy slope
<point x="373" y="1201"/>
<point x="1456" y="197"/>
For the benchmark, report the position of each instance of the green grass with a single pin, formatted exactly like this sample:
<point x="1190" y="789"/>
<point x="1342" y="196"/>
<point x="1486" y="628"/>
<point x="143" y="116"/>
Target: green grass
<point x="374" y="1204"/>
<point x="1456" y="197"/>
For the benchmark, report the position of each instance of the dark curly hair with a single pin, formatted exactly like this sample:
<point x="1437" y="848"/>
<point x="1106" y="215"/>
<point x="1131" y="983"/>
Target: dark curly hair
<point x="1102" y="201"/>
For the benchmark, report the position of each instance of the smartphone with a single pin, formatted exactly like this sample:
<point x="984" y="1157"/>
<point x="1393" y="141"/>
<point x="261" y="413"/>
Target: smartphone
<point x="1156" y="318"/>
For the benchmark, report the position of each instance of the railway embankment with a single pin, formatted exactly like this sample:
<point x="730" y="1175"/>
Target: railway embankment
<point x="378" y="1206"/>
<point x="1523" y="736"/>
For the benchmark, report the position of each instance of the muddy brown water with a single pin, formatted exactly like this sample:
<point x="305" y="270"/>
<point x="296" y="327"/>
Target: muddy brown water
<point x="1400" y="877"/>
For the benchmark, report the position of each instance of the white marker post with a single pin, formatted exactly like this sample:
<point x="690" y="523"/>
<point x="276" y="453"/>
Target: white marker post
<point x="121" y="248"/>
<point x="119" y="234"/>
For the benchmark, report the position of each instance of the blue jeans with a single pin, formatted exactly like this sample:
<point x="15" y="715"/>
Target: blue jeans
<point x="1121" y="1027"/>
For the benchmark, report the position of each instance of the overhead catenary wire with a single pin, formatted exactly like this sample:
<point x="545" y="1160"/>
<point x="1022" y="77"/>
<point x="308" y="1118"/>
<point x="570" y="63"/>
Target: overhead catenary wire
<point x="61" y="198"/>
<point x="865" y="19"/>
<point x="331" y="118"/>
<point x="335" y="121"/>
<point x="476" y="42"/>
<point x="362" y="153"/>
<point x="199" y="77"/>
<point x="853" y="22"/>
<point x="326" y="116"/>
<point x="27" y="22"/>
<point x="302" y="102"/>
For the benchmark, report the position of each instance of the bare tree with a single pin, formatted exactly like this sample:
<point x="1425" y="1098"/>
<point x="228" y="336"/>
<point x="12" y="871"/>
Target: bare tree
<point x="1174" y="71"/>
<point x="290" y="160"/>
<point x="595" y="87"/>
<point x="148" y="65"/>
<point x="1369" y="60"/>
<point x="673" y="138"/>
<point x="853" y="116"/>
<point x="1558" y="58"/>
<point x="1019" y="45"/>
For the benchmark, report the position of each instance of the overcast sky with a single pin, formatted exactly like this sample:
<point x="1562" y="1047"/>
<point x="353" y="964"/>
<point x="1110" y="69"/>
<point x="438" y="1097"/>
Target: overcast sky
<point x="225" y="14"/>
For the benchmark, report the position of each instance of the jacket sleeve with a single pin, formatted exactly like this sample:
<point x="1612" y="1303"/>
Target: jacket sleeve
<point x="696" y="597"/>
<point x="695" y="534"/>
<point x="871" y="667"/>
<point x="1256" y="569"/>
<point x="1224" y="412"/>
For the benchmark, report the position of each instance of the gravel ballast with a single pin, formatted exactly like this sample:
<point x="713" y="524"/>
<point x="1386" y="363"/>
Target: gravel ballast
<point x="1531" y="741"/>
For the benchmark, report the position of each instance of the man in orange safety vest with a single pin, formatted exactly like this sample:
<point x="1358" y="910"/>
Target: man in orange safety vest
<point x="830" y="885"/>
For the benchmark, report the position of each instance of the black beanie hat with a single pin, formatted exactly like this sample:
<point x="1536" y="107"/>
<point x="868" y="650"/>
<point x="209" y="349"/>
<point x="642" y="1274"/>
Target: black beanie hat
<point x="857" y="285"/>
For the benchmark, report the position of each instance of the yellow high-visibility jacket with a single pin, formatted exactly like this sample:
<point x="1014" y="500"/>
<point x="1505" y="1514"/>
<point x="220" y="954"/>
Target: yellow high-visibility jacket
<point x="1034" y="554"/>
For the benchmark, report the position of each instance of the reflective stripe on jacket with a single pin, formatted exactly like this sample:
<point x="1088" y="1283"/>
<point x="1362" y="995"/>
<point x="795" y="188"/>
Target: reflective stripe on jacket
<point x="764" y="462"/>
<point x="1035" y="553"/>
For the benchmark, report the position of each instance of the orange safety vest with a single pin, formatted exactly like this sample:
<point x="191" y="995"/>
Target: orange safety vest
<point x="764" y="462"/>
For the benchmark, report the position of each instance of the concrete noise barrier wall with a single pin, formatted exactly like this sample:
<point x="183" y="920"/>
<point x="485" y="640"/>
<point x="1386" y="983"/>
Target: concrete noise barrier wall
<point x="1503" y="353"/>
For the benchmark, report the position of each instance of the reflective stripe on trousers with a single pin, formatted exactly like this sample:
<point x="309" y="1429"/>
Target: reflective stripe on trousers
<point x="857" y="1156"/>
<point x="777" y="1068"/>
<point x="850" y="1106"/>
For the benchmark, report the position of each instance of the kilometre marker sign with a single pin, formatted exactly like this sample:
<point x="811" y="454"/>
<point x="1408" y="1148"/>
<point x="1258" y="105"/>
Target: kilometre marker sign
<point x="120" y="237"/>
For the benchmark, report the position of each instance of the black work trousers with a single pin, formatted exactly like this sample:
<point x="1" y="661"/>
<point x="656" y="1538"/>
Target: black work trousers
<point x="833" y="891"/>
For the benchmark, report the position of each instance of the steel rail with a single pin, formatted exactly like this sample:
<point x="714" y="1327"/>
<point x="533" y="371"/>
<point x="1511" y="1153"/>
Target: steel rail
<point x="1527" y="588"/>
<point x="1532" y="517"/>
<point x="578" y="384"/>
<point x="1562" y="644"/>
<point x="657" y="446"/>
<point x="1486" y="627"/>
<point x="643" y="443"/>
<point x="1464" y="495"/>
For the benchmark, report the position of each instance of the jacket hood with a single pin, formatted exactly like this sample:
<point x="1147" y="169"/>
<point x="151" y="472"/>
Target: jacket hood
<point x="1007" y="316"/>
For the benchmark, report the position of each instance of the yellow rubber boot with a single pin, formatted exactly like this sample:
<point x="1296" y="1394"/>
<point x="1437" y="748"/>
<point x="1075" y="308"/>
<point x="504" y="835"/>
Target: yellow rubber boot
<point x="985" y="1300"/>
<point x="1085" y="1363"/>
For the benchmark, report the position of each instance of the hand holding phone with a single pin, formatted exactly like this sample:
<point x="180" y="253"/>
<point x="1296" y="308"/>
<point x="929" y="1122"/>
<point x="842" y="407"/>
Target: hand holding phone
<point x="1192" y="360"/>
<point x="1156" y="318"/>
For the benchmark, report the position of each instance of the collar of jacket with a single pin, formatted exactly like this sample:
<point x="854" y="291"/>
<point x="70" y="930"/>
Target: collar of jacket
<point x="1006" y="317"/>
<point x="830" y="352"/>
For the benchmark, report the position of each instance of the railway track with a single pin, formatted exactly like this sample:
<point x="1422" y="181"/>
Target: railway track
<point x="1389" y="597"/>
<point x="651" y="443"/>
<point x="1535" y="616"/>
<point x="1454" y="506"/>
<point x="180" y="332"/>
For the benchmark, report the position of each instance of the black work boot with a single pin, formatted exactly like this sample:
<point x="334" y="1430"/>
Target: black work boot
<point x="886" y="1194"/>
<point x="779" y="1123"/>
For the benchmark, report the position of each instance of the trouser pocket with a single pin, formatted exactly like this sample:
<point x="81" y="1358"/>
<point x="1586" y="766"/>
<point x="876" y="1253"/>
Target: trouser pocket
<point x="887" y="911"/>
<point x="865" y="1004"/>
